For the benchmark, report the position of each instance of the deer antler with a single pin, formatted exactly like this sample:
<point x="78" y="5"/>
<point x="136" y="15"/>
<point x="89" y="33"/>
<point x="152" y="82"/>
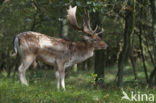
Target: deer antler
<point x="86" y="28"/>
<point x="71" y="17"/>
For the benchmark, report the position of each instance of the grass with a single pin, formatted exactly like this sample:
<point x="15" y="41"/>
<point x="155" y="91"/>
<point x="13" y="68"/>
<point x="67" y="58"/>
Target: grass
<point x="79" y="88"/>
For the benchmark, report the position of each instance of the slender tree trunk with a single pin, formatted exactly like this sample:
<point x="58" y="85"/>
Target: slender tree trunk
<point x="132" y="58"/>
<point x="99" y="67"/>
<point x="153" y="35"/>
<point x="140" y="36"/>
<point x="89" y="61"/>
<point x="149" y="52"/>
<point x="152" y="79"/>
<point x="99" y="58"/>
<point x="142" y="55"/>
<point x="33" y="22"/>
<point x="127" y="44"/>
<point x="133" y="66"/>
<point x="83" y="65"/>
<point x="2" y="63"/>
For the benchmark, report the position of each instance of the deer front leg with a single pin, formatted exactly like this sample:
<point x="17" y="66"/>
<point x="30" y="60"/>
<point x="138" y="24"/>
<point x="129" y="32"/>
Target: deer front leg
<point x="62" y="76"/>
<point x="61" y="70"/>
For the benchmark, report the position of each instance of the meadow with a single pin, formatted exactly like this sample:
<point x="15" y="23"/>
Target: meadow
<point x="80" y="87"/>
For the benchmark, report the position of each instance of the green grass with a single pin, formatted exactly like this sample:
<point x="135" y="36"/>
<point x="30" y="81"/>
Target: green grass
<point x="79" y="88"/>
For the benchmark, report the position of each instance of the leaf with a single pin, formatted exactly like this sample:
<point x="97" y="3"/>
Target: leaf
<point x="94" y="10"/>
<point x="89" y="2"/>
<point x="78" y="3"/>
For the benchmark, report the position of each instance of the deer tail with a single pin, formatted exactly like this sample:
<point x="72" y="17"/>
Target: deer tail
<point x="16" y="44"/>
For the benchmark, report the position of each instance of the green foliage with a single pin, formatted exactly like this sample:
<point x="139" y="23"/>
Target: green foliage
<point x="93" y="76"/>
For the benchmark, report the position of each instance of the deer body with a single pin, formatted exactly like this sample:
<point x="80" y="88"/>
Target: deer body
<point x="53" y="50"/>
<point x="34" y="46"/>
<point x="56" y="52"/>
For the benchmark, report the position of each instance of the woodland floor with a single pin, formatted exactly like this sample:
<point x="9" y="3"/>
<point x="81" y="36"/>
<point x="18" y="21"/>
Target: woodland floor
<point x="79" y="87"/>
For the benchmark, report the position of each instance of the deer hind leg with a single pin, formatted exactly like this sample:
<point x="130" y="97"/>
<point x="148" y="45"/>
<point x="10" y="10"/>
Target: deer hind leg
<point x="27" y="61"/>
<point x="34" y="64"/>
<point x="57" y="74"/>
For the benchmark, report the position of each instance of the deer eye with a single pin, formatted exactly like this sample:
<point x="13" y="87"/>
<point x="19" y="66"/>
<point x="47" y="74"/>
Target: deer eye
<point x="95" y="40"/>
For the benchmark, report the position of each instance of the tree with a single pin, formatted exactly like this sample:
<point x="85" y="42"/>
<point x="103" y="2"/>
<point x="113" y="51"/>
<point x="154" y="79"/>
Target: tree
<point x="152" y="79"/>
<point x="126" y="42"/>
<point x="99" y="57"/>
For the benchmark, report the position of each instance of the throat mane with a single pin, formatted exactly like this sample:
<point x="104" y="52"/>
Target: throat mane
<point x="79" y="53"/>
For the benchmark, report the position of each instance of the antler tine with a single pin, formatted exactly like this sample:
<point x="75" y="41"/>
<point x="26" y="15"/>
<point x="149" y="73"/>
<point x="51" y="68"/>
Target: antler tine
<point x="100" y="32"/>
<point x="88" y="25"/>
<point x="88" y="20"/>
<point x="95" y="29"/>
<point x="71" y="12"/>
<point x="86" y="28"/>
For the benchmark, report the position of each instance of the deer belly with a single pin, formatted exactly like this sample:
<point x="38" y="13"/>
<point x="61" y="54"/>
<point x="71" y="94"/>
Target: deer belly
<point x="77" y="59"/>
<point x="48" y="59"/>
<point x="68" y="64"/>
<point x="73" y="61"/>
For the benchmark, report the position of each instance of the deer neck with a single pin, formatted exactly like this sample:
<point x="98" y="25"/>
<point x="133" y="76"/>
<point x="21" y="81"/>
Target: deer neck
<point x="81" y="51"/>
<point x="83" y="48"/>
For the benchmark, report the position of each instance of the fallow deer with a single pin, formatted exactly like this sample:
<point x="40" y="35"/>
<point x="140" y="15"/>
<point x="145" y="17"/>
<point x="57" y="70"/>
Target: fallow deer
<point x="57" y="52"/>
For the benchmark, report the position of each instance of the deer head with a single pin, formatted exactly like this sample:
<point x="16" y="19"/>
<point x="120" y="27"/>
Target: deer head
<point x="92" y="36"/>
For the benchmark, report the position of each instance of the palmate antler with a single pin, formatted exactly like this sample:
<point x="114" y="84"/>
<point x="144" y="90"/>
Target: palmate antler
<point x="86" y="28"/>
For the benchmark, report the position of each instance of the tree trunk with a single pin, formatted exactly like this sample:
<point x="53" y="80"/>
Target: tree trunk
<point x="99" y="67"/>
<point x="142" y="55"/>
<point x="133" y="62"/>
<point x="127" y="44"/>
<point x="149" y="52"/>
<point x="133" y="66"/>
<point x="152" y="79"/>
<point x="99" y="57"/>
<point x="153" y="35"/>
<point x="83" y="65"/>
